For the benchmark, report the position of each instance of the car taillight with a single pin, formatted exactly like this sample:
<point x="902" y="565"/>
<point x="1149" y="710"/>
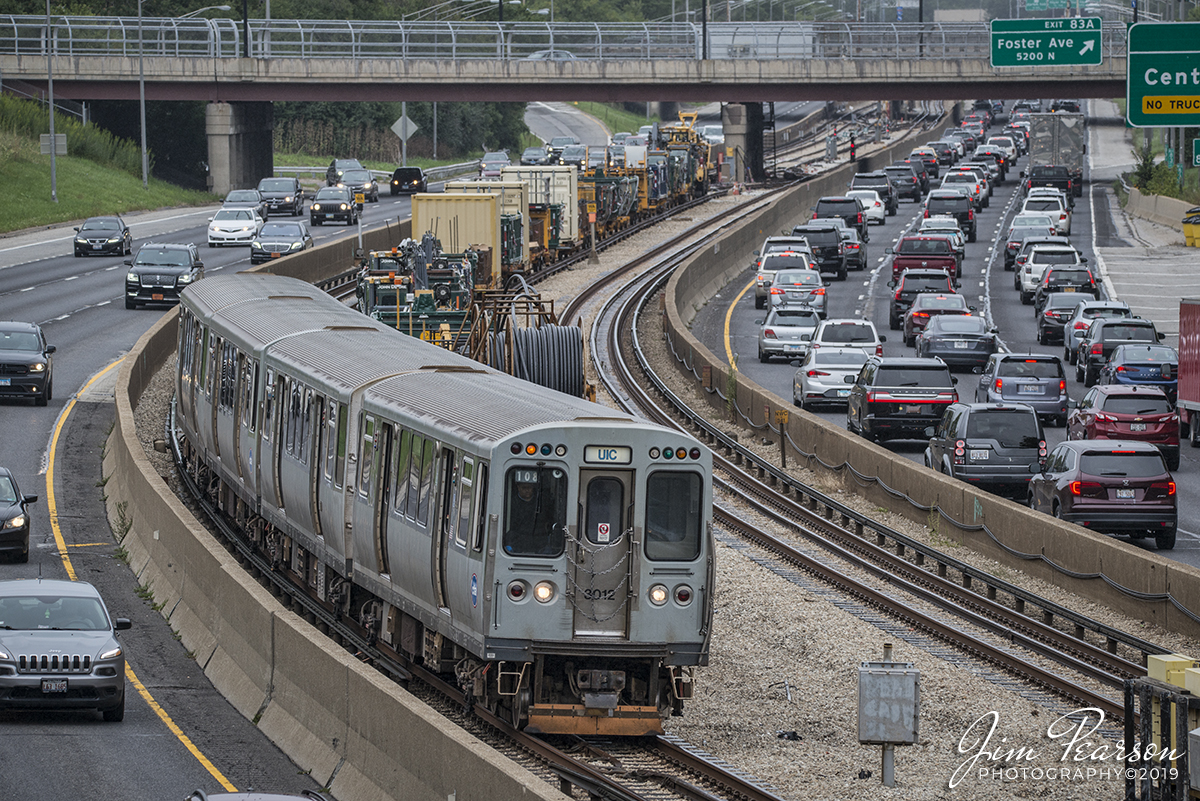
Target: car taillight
<point x="769" y="334"/>
<point x="878" y="348"/>
<point x="859" y="220"/>
<point x="851" y="246"/>
<point x="872" y="397"/>
<point x="897" y="295"/>
<point x="926" y="212"/>
<point x="1062" y="386"/>
<point x="999" y="384"/>
<point x="1097" y="349"/>
<point x="1080" y="325"/>
<point x="777" y="291"/>
<point x="1014" y="245"/>
<point x="1160" y="489"/>
<point x="1082" y="488"/>
<point x="815" y="373"/>
<point x="1042" y="449"/>
<point x="970" y="214"/>
<point x="1120" y="368"/>
<point x="820" y="291"/>
<point x="1106" y="418"/>
<point x="814" y="215"/>
<point x="920" y="314"/>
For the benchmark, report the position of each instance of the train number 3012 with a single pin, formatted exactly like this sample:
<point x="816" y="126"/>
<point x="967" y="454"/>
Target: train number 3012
<point x="600" y="595"/>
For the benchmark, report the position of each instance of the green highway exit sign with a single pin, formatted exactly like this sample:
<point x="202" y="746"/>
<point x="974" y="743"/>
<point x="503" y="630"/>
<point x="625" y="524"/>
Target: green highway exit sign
<point x="1063" y="42"/>
<point x="1196" y="152"/>
<point x="1162" y="84"/>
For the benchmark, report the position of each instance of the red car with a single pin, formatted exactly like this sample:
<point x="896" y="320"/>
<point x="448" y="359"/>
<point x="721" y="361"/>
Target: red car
<point x="927" y="305"/>
<point x="1117" y="411"/>
<point x="1116" y="487"/>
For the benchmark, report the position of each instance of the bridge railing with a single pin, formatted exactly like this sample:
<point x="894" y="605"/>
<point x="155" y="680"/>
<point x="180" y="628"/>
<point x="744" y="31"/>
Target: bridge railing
<point x="460" y="41"/>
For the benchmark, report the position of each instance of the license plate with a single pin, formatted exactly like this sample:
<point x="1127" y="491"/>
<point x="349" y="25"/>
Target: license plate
<point x="1068" y="289"/>
<point x="791" y="347"/>
<point x="156" y="296"/>
<point x="97" y="247"/>
<point x="980" y="455"/>
<point x="1124" y="494"/>
<point x="962" y="344"/>
<point x="5" y="382"/>
<point x="54" y="685"/>
<point x="912" y="409"/>
<point x="843" y="393"/>
<point x="1029" y="389"/>
<point x="1137" y="426"/>
<point x="274" y="255"/>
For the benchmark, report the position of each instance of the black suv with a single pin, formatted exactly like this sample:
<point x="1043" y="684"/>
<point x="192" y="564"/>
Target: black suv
<point x="825" y="240"/>
<point x="850" y="209"/>
<point x="160" y="272"/>
<point x="333" y="203"/>
<point x="1103" y="336"/>
<point x="910" y="284"/>
<point x="906" y="181"/>
<point x="408" y="179"/>
<point x="947" y="153"/>
<point x="881" y="182"/>
<point x="898" y="397"/>
<point x="1070" y="106"/>
<point x="952" y="204"/>
<point x="1068" y="279"/>
<point x="338" y="166"/>
<point x="26" y="369"/>
<point x="282" y="194"/>
<point x="996" y="446"/>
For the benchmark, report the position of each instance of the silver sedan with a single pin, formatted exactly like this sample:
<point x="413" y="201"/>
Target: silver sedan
<point x="825" y="376"/>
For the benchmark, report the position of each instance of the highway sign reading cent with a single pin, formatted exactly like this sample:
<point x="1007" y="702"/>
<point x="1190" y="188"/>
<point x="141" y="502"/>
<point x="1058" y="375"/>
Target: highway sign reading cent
<point x="1063" y="42"/>
<point x="1162" y="85"/>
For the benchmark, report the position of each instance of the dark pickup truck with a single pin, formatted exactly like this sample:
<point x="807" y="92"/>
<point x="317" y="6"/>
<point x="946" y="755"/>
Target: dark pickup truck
<point x="1053" y="176"/>
<point x="923" y="253"/>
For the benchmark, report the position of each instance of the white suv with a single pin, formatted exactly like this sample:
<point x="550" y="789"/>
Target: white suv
<point x="1055" y="206"/>
<point x="1040" y="258"/>
<point x="852" y="332"/>
<point x="765" y="274"/>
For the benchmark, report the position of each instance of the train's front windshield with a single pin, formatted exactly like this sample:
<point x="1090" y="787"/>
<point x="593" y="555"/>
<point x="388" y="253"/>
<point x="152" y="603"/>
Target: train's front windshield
<point x="535" y="511"/>
<point x="674" y="511"/>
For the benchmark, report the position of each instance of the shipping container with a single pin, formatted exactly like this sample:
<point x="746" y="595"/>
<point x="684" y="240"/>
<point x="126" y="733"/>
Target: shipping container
<point x="548" y="186"/>
<point x="461" y="221"/>
<point x="1189" y="368"/>
<point x="514" y="201"/>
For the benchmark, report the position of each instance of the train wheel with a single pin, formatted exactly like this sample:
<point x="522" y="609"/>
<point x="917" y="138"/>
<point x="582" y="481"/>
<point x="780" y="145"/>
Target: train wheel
<point x="519" y="708"/>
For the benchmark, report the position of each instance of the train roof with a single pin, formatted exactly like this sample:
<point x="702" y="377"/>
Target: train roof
<point x="339" y="347"/>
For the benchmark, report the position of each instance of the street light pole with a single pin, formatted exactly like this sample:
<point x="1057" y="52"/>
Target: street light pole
<point x="50" y="87"/>
<point x="142" y="100"/>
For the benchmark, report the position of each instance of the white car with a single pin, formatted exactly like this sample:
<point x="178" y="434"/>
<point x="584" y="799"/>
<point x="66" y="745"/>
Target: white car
<point x="1042" y="258"/>
<point x="969" y="185"/>
<point x="873" y="207"/>
<point x="826" y="375"/>
<point x="233" y="227"/>
<point x="849" y="332"/>
<point x="1007" y="145"/>
<point x="1054" y="206"/>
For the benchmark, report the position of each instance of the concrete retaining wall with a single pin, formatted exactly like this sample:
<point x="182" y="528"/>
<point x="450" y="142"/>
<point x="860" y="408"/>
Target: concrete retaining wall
<point x="354" y="729"/>
<point x="1034" y="543"/>
<point x="1163" y="210"/>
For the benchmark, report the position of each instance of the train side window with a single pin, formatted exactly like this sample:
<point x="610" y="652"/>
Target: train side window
<point x="426" y="482"/>
<point x="268" y="404"/>
<point x="306" y="428"/>
<point x="330" y="456"/>
<point x="246" y="393"/>
<point x="203" y="354"/>
<point x="481" y="508"/>
<point x="673" y="515"/>
<point x="535" y="511"/>
<point x="414" y="477"/>
<point x="229" y="375"/>
<point x="343" y="423"/>
<point x="366" y="454"/>
<point x="466" y="494"/>
<point x="293" y="418"/>
<point x="400" y="484"/>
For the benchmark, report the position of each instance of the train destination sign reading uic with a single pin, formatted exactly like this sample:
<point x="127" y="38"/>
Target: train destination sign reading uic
<point x="1059" y="42"/>
<point x="1162" y="84"/>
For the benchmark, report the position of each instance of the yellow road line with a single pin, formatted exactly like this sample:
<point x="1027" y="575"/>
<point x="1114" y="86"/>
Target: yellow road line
<point x="86" y="544"/>
<point x="729" y="316"/>
<point x="183" y="738"/>
<point x="62" y="552"/>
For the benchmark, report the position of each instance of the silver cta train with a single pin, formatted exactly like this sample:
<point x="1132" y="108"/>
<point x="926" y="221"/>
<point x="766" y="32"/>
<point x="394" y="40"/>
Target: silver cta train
<point x="553" y="555"/>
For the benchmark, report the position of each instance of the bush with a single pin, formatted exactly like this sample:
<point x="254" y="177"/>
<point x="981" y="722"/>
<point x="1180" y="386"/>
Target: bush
<point x="28" y="118"/>
<point x="1163" y="181"/>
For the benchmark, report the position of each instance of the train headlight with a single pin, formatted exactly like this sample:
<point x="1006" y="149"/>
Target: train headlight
<point x="654" y="453"/>
<point x="544" y="592"/>
<point x="658" y="595"/>
<point x="518" y="590"/>
<point x="683" y="595"/>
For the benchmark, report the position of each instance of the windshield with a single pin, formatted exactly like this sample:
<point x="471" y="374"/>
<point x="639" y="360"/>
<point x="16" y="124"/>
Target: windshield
<point x="1132" y="464"/>
<point x="947" y="204"/>
<point x="1120" y="331"/>
<point x="1016" y="428"/>
<point x="798" y="278"/>
<point x="52" y="613"/>
<point x="233" y="214"/>
<point x="1054" y="257"/>
<point x="938" y="376"/>
<point x="1049" y="172"/>
<point x="1137" y="404"/>
<point x="821" y="238"/>
<point x="163" y="258"/>
<point x="1030" y="368"/>
<point x="535" y="511"/>
<point x="846" y="358"/>
<point x="347" y="164"/>
<point x="958" y="325"/>
<point x="932" y="283"/>
<point x="242" y="196"/>
<point x="794" y="317"/>
<point x="1069" y="277"/>
<point x="940" y="302"/>
<point x="331" y="193"/>
<point x="960" y="178"/>
<point x="1043" y="204"/>
<point x="19" y="340"/>
<point x="1148" y="354"/>
<point x="673" y="515"/>
<point x="848" y="332"/>
<point x="276" y="185"/>
<point x="8" y="493"/>
<point x="1094" y="312"/>
<point x="924" y="247"/>
<point x="1032" y="219"/>
<point x="280" y="229"/>
<point x="100" y="225"/>
<point x="356" y="176"/>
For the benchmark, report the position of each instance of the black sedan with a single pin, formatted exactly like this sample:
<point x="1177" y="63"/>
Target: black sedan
<point x="361" y="182"/>
<point x="277" y="239"/>
<point x="247" y="199"/>
<point x="957" y="339"/>
<point x="103" y="236"/>
<point x="14" y="517"/>
<point x="536" y="156"/>
<point x="408" y="179"/>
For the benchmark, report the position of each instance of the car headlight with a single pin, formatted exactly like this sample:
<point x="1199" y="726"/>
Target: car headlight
<point x="80" y="240"/>
<point x="316" y="207"/>
<point x="131" y="277"/>
<point x="114" y="239"/>
<point x="287" y="199"/>
<point x="37" y="368"/>
<point x="295" y="245"/>
<point x="186" y="278"/>
<point x="344" y="207"/>
<point x="4" y="655"/>
<point x="15" y="522"/>
<point x="256" y="246"/>
<point x="247" y="227"/>
<point x="111" y="654"/>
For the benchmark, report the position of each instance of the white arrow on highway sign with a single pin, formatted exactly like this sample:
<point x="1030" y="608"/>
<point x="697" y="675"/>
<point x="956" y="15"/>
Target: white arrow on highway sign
<point x="404" y="128"/>
<point x="1088" y="45"/>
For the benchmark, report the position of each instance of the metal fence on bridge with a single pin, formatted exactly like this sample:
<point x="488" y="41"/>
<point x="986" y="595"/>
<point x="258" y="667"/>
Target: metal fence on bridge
<point x="460" y="41"/>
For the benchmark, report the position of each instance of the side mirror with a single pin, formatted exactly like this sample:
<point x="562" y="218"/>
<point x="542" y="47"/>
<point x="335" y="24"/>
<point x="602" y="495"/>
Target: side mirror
<point x="77" y="228"/>
<point x="51" y="349"/>
<point x="953" y="379"/>
<point x="889" y="250"/>
<point x="759" y="322"/>
<point x="210" y="219"/>
<point x="958" y="284"/>
<point x="892" y="284"/>
<point x="806" y="337"/>
<point x="930" y="431"/>
<point x="1161" y="336"/>
<point x="30" y="499"/>
<point x="129" y="262"/>
<point x="883" y="338"/>
<point x="1083" y="260"/>
<point x="977" y="370"/>
<point x="971" y="308"/>
<point x="122" y="623"/>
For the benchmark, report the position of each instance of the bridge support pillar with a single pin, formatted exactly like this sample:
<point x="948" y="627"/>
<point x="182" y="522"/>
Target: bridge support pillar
<point x="733" y="123"/>
<point x="240" y="151"/>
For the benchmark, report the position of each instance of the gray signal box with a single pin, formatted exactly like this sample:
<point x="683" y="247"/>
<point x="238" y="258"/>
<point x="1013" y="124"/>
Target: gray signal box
<point x="889" y="703"/>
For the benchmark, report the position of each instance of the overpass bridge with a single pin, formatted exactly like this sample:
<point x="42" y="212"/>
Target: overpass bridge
<point x="240" y="68"/>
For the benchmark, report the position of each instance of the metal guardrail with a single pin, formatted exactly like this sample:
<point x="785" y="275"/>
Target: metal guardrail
<point x="431" y="174"/>
<point x="73" y="36"/>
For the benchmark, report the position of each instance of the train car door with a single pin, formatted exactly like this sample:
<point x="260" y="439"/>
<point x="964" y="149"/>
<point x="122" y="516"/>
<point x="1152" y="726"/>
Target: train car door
<point x="383" y="496"/>
<point x="602" y="554"/>
<point x="447" y="519"/>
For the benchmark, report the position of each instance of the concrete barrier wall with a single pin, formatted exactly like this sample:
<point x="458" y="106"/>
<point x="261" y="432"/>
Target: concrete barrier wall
<point x="354" y="729"/>
<point x="1163" y="210"/>
<point x="1010" y="533"/>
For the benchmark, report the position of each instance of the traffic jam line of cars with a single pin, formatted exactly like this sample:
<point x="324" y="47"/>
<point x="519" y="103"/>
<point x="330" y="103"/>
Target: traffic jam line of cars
<point x="1114" y="472"/>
